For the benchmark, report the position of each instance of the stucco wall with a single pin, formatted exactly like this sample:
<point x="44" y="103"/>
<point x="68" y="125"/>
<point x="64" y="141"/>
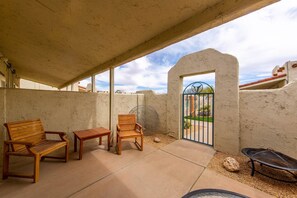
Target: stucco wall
<point x="226" y="118"/>
<point x="268" y="119"/>
<point x="124" y="103"/>
<point x="66" y="111"/>
<point x="59" y="111"/>
<point x="155" y="111"/>
<point x="292" y="70"/>
<point x="2" y="120"/>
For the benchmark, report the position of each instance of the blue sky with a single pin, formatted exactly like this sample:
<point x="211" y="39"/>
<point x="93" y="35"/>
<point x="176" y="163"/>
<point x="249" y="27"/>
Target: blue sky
<point x="260" y="41"/>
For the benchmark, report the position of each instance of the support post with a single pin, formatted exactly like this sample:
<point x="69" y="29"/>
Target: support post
<point x="111" y="103"/>
<point x="93" y="83"/>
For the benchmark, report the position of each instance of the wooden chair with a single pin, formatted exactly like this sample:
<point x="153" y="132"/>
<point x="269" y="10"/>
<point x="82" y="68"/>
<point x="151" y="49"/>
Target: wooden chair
<point x="128" y="128"/>
<point x="28" y="139"/>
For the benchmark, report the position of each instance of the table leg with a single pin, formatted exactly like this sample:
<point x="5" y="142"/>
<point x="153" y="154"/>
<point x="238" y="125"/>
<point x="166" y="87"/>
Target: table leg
<point x="253" y="168"/>
<point x="75" y="143"/>
<point x="108" y="141"/>
<point x="81" y="144"/>
<point x="100" y="140"/>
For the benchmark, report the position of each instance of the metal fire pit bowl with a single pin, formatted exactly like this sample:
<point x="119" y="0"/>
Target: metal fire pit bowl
<point x="215" y="193"/>
<point x="273" y="159"/>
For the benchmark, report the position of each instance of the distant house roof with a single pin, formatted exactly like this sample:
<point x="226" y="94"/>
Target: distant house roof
<point x="81" y="88"/>
<point x="264" y="83"/>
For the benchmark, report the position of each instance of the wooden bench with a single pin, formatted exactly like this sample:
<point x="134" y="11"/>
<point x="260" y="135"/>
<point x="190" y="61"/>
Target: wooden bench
<point x="28" y="139"/>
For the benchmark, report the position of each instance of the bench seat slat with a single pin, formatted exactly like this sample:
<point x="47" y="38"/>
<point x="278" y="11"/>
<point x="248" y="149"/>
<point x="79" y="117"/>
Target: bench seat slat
<point x="47" y="146"/>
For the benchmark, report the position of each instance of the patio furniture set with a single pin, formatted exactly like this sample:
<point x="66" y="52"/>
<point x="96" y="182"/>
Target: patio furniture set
<point x="28" y="139"/>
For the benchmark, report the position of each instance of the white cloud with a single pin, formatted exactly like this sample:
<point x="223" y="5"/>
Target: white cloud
<point x="85" y="82"/>
<point x="264" y="74"/>
<point x="208" y="78"/>
<point x="103" y="76"/>
<point x="259" y="40"/>
<point x="140" y="73"/>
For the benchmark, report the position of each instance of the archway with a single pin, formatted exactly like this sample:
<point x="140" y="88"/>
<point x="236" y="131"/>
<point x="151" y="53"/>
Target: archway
<point x="226" y="105"/>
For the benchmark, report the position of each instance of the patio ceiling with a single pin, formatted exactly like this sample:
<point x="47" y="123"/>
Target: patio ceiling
<point x="59" y="42"/>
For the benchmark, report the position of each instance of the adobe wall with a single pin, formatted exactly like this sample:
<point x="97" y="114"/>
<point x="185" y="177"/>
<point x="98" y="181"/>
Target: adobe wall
<point x="268" y="119"/>
<point x="226" y="105"/>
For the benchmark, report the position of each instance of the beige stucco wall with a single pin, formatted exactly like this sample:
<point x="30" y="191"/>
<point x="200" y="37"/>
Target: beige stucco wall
<point x="124" y="103"/>
<point x="66" y="111"/>
<point x="155" y="111"/>
<point x="2" y="73"/>
<point x="226" y="108"/>
<point x="268" y="119"/>
<point x="62" y="111"/>
<point x="291" y="70"/>
<point x="2" y="120"/>
<point x="59" y="111"/>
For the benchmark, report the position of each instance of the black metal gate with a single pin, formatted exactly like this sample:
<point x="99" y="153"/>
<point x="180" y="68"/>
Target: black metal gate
<point x="198" y="113"/>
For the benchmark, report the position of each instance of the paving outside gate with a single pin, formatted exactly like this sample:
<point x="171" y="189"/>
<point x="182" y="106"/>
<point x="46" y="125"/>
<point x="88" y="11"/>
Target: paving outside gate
<point x="198" y="113"/>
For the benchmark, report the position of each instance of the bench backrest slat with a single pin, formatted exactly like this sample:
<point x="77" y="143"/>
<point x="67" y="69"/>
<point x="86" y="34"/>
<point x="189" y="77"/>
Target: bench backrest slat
<point x="29" y="131"/>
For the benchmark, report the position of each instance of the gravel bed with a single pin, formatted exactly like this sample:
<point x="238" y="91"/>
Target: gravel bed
<point x="270" y="186"/>
<point x="165" y="139"/>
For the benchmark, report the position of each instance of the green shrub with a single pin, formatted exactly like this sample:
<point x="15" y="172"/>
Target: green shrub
<point x="187" y="124"/>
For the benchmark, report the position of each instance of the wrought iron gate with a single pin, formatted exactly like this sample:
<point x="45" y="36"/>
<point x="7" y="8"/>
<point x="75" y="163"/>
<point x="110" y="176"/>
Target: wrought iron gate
<point x="198" y="113"/>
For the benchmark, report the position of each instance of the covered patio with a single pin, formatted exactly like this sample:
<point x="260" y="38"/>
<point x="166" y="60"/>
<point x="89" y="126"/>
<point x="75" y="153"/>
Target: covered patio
<point x="133" y="174"/>
<point x="59" y="43"/>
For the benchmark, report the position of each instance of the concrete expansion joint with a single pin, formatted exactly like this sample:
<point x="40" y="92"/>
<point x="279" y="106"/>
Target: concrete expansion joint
<point x="196" y="180"/>
<point x="182" y="158"/>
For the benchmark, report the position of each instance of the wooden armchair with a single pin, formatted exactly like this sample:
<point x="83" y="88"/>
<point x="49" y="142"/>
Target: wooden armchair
<point x="128" y="128"/>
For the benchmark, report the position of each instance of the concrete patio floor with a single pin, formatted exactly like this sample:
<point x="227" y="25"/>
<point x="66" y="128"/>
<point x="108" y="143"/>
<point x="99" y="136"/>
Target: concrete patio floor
<point x="171" y="171"/>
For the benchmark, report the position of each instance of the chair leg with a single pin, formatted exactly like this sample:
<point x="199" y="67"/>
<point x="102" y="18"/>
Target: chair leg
<point x="66" y="152"/>
<point x="108" y="142"/>
<point x="119" y="146"/>
<point x="135" y="139"/>
<point x="5" y="162"/>
<point x="141" y="143"/>
<point x="36" y="168"/>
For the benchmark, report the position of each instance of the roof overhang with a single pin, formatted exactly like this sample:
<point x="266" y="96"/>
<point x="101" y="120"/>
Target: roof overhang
<point x="61" y="42"/>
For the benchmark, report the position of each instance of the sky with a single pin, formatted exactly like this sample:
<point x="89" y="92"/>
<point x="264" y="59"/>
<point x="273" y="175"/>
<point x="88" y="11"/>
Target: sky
<point x="260" y="41"/>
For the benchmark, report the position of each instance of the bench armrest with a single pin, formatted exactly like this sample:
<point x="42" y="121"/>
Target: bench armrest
<point x="138" y="127"/>
<point x="62" y="135"/>
<point x="8" y="144"/>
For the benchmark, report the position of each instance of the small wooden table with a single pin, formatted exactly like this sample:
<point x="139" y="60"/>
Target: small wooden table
<point x="90" y="134"/>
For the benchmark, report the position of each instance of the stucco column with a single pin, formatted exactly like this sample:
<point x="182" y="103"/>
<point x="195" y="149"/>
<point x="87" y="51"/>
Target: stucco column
<point x="226" y="98"/>
<point x="93" y="78"/>
<point x="111" y="102"/>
